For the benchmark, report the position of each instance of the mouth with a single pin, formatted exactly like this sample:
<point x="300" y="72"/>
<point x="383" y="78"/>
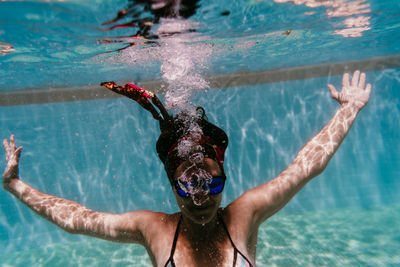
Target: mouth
<point x="200" y="211"/>
<point x="202" y="206"/>
<point x="201" y="200"/>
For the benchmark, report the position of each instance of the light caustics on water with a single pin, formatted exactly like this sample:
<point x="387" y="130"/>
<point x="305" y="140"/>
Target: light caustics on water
<point x="184" y="57"/>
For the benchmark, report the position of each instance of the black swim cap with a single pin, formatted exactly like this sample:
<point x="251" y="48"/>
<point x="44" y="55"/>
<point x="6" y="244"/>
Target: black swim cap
<point x="211" y="143"/>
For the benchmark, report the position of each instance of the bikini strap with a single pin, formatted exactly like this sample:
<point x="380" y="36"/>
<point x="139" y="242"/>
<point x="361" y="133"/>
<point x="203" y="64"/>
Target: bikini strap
<point x="171" y="255"/>
<point x="226" y="229"/>
<point x="236" y="250"/>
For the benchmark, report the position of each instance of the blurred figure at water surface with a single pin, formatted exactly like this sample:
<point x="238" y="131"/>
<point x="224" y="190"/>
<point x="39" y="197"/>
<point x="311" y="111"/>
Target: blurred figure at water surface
<point x="5" y="49"/>
<point x="158" y="9"/>
<point x="192" y="151"/>
<point x="143" y="14"/>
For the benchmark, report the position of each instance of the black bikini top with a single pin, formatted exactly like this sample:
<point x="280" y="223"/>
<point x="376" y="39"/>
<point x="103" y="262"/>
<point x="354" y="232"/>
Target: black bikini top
<point x="239" y="259"/>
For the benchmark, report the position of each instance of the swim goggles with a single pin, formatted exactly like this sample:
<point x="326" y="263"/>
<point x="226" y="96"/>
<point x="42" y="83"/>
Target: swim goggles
<point x="214" y="187"/>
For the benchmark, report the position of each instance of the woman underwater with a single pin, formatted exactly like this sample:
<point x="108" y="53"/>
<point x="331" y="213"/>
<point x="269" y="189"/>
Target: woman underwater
<point x="202" y="233"/>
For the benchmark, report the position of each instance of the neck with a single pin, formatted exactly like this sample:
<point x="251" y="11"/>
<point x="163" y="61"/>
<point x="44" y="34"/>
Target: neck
<point x="200" y="232"/>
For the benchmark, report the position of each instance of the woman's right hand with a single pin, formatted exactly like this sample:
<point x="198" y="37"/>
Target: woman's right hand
<point x="12" y="157"/>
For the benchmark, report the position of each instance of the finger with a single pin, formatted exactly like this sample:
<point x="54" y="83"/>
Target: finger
<point x="334" y="93"/>
<point x="5" y="144"/>
<point x="368" y="89"/>
<point x="18" y="153"/>
<point x="356" y="77"/>
<point x="6" y="148"/>
<point x="362" y="81"/>
<point x="346" y="79"/>
<point x="12" y="143"/>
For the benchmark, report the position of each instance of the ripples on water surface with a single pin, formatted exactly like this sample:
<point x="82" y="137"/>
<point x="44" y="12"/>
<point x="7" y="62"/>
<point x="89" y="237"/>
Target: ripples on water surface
<point x="63" y="43"/>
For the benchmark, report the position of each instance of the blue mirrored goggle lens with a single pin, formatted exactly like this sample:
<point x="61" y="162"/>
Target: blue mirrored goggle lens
<point x="216" y="186"/>
<point x="181" y="192"/>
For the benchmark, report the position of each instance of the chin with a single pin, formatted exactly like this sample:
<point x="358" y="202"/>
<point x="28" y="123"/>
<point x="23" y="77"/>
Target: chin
<point x="201" y="219"/>
<point x="202" y="215"/>
<point x="199" y="214"/>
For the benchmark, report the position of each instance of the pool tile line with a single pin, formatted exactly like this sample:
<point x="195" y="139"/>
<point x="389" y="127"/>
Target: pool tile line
<point x="242" y="78"/>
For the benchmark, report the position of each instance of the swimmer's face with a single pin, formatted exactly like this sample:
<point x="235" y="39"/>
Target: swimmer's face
<point x="201" y="207"/>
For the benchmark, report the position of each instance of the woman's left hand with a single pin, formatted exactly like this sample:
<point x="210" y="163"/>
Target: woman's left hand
<point x="356" y="93"/>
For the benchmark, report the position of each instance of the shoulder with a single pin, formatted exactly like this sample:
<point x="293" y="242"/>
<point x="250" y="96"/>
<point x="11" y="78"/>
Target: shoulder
<point x="157" y="231"/>
<point x="152" y="224"/>
<point x="141" y="226"/>
<point x="240" y="215"/>
<point x="242" y="207"/>
<point x="240" y="226"/>
<point x="147" y="219"/>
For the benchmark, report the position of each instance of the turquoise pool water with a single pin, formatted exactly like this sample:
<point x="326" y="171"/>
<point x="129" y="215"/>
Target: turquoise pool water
<point x="340" y="237"/>
<point x="100" y="152"/>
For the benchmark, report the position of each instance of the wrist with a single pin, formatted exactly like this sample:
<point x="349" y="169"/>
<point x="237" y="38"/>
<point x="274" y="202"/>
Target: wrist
<point x="9" y="184"/>
<point x="352" y="107"/>
<point x="355" y="105"/>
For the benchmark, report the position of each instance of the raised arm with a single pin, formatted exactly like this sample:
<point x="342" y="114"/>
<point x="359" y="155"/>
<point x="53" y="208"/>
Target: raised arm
<point x="265" y="200"/>
<point x="69" y="215"/>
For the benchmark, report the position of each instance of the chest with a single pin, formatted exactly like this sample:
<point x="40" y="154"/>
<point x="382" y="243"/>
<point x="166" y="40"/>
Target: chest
<point x="215" y="252"/>
<point x="221" y="248"/>
<point x="218" y="249"/>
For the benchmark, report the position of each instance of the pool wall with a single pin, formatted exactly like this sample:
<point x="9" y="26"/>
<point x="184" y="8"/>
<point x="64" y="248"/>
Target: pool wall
<point x="101" y="153"/>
